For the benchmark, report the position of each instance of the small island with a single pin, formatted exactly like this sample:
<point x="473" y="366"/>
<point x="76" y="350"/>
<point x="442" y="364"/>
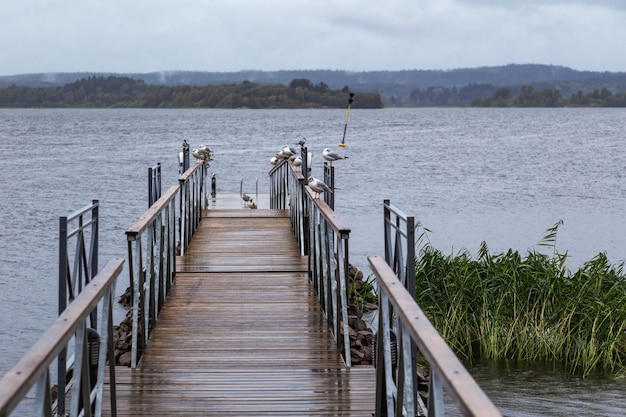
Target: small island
<point x="125" y="92"/>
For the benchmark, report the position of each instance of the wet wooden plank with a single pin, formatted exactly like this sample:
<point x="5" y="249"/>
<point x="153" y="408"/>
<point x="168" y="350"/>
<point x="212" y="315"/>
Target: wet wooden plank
<point x="242" y="333"/>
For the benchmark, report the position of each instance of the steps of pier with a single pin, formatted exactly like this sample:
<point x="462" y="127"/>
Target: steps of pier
<point x="242" y="332"/>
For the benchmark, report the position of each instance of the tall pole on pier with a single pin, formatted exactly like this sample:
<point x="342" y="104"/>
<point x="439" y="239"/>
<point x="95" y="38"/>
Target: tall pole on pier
<point x="345" y="126"/>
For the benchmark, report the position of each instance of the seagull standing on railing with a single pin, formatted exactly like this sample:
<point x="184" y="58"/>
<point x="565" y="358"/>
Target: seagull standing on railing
<point x="206" y="152"/>
<point x="297" y="162"/>
<point x="318" y="186"/>
<point x="196" y="154"/>
<point x="331" y="156"/>
<point x="288" y="151"/>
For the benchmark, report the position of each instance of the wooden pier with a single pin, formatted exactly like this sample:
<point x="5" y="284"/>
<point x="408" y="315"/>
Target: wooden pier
<point x="241" y="324"/>
<point x="242" y="332"/>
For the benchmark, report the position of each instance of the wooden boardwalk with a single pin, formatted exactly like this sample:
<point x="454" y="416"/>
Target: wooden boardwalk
<point x="242" y="333"/>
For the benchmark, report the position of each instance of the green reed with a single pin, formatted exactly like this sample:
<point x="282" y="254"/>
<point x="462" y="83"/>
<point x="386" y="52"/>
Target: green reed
<point x="532" y="308"/>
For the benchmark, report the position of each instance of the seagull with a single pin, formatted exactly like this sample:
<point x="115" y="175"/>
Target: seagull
<point x="251" y="204"/>
<point x="301" y="142"/>
<point x="246" y="197"/>
<point x="330" y="156"/>
<point x="196" y="153"/>
<point x="318" y="186"/>
<point x="208" y="154"/>
<point x="185" y="144"/>
<point x="297" y="161"/>
<point x="288" y="151"/>
<point x="273" y="160"/>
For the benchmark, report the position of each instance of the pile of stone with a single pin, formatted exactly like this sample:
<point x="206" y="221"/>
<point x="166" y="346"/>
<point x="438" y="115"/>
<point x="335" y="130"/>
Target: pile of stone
<point x="361" y="336"/>
<point x="122" y="334"/>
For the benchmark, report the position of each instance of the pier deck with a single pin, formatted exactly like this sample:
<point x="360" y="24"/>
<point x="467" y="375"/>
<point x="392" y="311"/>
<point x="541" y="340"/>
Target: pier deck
<point x="242" y="333"/>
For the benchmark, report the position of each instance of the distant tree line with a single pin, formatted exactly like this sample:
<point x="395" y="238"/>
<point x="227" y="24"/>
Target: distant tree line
<point x="488" y="95"/>
<point x="122" y="92"/>
<point x="547" y="97"/>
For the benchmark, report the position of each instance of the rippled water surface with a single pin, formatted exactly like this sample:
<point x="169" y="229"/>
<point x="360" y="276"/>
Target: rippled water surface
<point x="469" y="175"/>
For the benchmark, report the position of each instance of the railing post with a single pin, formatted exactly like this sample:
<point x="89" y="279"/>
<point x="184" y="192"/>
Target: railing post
<point x="329" y="179"/>
<point x="63" y="275"/>
<point x="95" y="225"/>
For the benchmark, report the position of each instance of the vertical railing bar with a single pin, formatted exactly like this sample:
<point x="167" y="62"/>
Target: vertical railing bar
<point x="136" y="301"/>
<point x="408" y="368"/>
<point x="77" y="376"/>
<point x="389" y="383"/>
<point x="435" y="394"/>
<point x="63" y="272"/>
<point x="43" y="401"/>
<point x="343" y="281"/>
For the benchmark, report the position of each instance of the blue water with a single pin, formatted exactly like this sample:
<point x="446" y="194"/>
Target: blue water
<point x="469" y="175"/>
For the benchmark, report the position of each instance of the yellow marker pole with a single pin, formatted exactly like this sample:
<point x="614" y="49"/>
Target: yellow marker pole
<point x="345" y="127"/>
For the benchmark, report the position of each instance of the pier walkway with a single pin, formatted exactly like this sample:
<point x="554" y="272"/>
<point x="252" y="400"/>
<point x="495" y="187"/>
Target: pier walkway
<point x="242" y="332"/>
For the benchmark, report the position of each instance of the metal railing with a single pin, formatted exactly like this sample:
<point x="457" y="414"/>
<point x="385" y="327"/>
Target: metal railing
<point x="324" y="237"/>
<point x="192" y="195"/>
<point x="152" y="266"/>
<point x="280" y="186"/>
<point x="154" y="184"/>
<point x="76" y="270"/>
<point x="33" y="369"/>
<point x="153" y="247"/>
<point x="395" y="386"/>
<point x="399" y="238"/>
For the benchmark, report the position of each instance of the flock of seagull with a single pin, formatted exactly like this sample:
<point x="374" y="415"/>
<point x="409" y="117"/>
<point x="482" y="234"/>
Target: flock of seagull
<point x="201" y="153"/>
<point x="316" y="185"/>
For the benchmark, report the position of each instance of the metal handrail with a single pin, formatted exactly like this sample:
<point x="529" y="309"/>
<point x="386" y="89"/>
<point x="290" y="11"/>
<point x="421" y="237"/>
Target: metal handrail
<point x="395" y="391"/>
<point x="324" y="237"/>
<point x="192" y="192"/>
<point x="154" y="184"/>
<point x="399" y="235"/>
<point x="76" y="271"/>
<point x="279" y="186"/>
<point x="151" y="271"/>
<point x="33" y="369"/>
<point x="329" y="267"/>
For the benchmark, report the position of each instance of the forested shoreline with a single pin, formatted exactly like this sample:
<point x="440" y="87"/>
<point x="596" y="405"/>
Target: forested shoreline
<point x="487" y="95"/>
<point x="125" y="92"/>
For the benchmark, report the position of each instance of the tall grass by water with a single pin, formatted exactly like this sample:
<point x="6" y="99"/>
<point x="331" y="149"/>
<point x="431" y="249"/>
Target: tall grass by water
<point x="529" y="308"/>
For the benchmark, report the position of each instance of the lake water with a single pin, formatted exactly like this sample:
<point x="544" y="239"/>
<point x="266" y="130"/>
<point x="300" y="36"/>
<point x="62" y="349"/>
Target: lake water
<point x="469" y="175"/>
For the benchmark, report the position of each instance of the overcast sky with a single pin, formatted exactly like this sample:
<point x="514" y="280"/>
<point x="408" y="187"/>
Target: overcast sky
<point x="356" y="35"/>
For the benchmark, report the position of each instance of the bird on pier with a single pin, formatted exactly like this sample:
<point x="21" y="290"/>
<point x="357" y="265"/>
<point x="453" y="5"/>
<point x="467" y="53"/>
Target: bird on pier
<point x="246" y="197"/>
<point x="185" y="144"/>
<point x="251" y="204"/>
<point x="318" y="186"/>
<point x="206" y="152"/>
<point x="288" y="151"/>
<point x="331" y="156"/>
<point x="197" y="154"/>
<point x="297" y="162"/>
<point x="301" y="142"/>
